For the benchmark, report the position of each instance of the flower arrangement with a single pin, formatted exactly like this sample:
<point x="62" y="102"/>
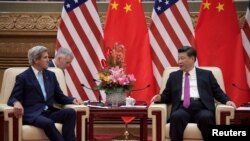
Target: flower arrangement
<point x="112" y="76"/>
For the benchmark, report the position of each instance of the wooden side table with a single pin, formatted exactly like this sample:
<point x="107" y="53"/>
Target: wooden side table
<point x="116" y="113"/>
<point x="241" y="116"/>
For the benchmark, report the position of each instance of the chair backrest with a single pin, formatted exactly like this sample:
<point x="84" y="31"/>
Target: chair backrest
<point x="9" y="79"/>
<point x="215" y="70"/>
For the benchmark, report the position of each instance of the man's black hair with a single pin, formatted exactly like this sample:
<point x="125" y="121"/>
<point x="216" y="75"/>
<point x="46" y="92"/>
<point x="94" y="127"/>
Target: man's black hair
<point x="191" y="52"/>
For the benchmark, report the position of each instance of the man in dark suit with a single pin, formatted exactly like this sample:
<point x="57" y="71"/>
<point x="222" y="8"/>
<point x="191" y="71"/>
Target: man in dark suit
<point x="33" y="96"/>
<point x="63" y="58"/>
<point x="200" y="86"/>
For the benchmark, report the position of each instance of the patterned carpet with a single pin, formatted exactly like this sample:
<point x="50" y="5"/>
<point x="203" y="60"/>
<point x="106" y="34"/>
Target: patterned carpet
<point x="115" y="137"/>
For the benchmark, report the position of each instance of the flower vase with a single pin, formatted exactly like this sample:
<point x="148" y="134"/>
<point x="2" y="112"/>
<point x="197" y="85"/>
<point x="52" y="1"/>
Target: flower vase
<point x="115" y="99"/>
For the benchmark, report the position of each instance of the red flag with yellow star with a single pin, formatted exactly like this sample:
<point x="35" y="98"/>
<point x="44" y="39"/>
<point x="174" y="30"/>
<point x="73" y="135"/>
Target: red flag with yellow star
<point x="126" y="25"/>
<point x="219" y="44"/>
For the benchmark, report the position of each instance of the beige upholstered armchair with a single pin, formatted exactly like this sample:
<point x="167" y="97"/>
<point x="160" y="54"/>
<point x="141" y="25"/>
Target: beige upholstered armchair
<point x="160" y="112"/>
<point x="16" y="131"/>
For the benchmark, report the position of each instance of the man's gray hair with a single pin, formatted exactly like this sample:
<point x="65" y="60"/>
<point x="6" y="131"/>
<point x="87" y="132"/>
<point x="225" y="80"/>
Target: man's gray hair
<point x="35" y="53"/>
<point x="62" y="51"/>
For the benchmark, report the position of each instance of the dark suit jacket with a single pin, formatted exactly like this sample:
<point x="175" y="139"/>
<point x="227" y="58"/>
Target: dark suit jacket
<point x="28" y="91"/>
<point x="208" y="89"/>
<point x="51" y="64"/>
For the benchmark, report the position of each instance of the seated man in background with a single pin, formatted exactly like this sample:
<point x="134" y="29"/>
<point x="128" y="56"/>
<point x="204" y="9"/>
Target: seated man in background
<point x="34" y="93"/>
<point x="191" y="91"/>
<point x="62" y="59"/>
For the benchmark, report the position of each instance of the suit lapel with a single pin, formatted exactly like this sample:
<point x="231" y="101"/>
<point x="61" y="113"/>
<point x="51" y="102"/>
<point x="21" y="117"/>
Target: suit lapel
<point x="198" y="76"/>
<point x="35" y="82"/>
<point x="179" y="82"/>
<point x="46" y="82"/>
<point x="51" y="63"/>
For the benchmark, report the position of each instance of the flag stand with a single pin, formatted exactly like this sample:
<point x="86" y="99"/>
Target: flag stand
<point x="126" y="136"/>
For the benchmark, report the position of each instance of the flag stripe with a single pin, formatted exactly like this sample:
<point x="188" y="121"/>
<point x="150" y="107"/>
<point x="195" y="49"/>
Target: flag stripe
<point x="246" y="43"/>
<point x="65" y="71"/>
<point x="247" y="61"/>
<point x="185" y="23"/>
<point x="165" y="20"/>
<point x="162" y="33"/>
<point x="81" y="59"/>
<point x="83" y="37"/>
<point x="178" y="26"/>
<point x="162" y="46"/>
<point x="80" y="30"/>
<point x="94" y="28"/>
<point x="157" y="74"/>
<point x="171" y="28"/>
<point x="246" y="30"/>
<point x="76" y="81"/>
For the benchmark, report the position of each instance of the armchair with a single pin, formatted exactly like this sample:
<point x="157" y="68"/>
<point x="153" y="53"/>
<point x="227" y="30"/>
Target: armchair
<point x="159" y="113"/>
<point x="16" y="131"/>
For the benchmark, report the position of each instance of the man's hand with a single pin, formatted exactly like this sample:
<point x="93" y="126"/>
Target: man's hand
<point x="77" y="101"/>
<point x="156" y="98"/>
<point x="18" y="109"/>
<point x="231" y="103"/>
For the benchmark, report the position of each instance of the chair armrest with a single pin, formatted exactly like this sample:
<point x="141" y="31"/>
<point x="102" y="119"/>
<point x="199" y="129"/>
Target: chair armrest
<point x="158" y="114"/>
<point x="14" y="124"/>
<point x="78" y="108"/>
<point x="224" y="114"/>
<point x="82" y="114"/>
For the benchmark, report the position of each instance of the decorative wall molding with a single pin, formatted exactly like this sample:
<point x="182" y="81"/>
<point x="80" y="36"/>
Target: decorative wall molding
<point x="48" y="22"/>
<point x="29" y="22"/>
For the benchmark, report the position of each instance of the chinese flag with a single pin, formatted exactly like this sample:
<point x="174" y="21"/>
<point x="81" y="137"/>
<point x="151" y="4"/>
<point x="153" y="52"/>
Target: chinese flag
<point x="126" y="25"/>
<point x="219" y="44"/>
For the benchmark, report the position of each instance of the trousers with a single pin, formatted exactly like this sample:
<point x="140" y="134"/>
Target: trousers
<point x="47" y="120"/>
<point x="196" y="113"/>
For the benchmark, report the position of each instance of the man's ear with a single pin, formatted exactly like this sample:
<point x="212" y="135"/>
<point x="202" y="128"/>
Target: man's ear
<point x="35" y="61"/>
<point x="193" y="58"/>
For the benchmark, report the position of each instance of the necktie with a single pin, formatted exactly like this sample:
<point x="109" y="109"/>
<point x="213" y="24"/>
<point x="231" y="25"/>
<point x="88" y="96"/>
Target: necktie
<point x="41" y="82"/>
<point x="186" y="101"/>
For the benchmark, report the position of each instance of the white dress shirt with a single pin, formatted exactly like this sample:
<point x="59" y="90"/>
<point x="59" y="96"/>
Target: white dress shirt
<point x="193" y="84"/>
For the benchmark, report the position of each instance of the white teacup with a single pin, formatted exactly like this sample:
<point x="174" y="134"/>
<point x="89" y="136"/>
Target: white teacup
<point x="130" y="101"/>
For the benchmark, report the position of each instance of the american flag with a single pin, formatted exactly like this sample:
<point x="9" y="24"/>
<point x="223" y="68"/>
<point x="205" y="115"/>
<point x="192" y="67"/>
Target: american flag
<point x="80" y="31"/>
<point x="246" y="43"/>
<point x="170" y="29"/>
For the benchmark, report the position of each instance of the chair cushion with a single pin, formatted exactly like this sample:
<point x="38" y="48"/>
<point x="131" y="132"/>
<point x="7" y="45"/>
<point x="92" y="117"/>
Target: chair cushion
<point x="31" y="133"/>
<point x="9" y="79"/>
<point x="191" y="132"/>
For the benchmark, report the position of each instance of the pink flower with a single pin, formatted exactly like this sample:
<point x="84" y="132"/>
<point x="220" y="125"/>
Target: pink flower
<point x="132" y="77"/>
<point x="123" y="81"/>
<point x="113" y="77"/>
